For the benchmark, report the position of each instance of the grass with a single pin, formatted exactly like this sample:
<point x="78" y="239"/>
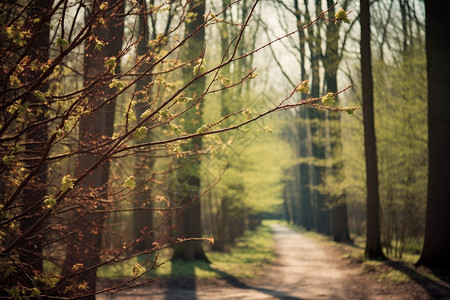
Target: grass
<point x="245" y="260"/>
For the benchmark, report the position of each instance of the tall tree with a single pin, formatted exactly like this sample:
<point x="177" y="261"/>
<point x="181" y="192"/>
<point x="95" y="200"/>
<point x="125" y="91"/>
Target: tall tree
<point x="317" y="118"/>
<point x="31" y="252"/>
<point x="373" y="242"/>
<point x="85" y="245"/>
<point x="188" y="178"/>
<point x="338" y="219"/>
<point x="436" y="248"/>
<point x="305" y="170"/>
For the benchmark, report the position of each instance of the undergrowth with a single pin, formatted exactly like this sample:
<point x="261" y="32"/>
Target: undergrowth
<point x="245" y="260"/>
<point x="388" y="270"/>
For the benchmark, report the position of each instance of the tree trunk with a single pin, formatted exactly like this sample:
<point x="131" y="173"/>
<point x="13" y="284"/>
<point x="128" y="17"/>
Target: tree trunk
<point x="85" y="243"/>
<point x="31" y="251"/>
<point x="143" y="219"/>
<point x="339" y="219"/>
<point x="305" y="171"/>
<point x="373" y="243"/>
<point x="436" y="248"/>
<point x="189" y="177"/>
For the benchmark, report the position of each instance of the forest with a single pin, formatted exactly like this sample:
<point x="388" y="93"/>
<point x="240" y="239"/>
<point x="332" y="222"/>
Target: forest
<point x="131" y="127"/>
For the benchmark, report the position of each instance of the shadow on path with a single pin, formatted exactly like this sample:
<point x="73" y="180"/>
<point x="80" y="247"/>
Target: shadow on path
<point x="435" y="290"/>
<point x="190" y="284"/>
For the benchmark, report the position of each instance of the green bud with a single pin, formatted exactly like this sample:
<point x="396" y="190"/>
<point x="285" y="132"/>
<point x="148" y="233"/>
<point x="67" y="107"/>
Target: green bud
<point x="62" y="43"/>
<point x="130" y="182"/>
<point x="40" y="96"/>
<point x="328" y="99"/>
<point x="67" y="183"/>
<point x="303" y="87"/>
<point x="49" y="202"/>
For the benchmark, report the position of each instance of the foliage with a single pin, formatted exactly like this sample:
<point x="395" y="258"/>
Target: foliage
<point x="82" y="113"/>
<point x="244" y="260"/>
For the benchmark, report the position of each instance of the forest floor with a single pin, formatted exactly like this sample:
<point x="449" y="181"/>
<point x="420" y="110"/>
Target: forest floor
<point x="304" y="269"/>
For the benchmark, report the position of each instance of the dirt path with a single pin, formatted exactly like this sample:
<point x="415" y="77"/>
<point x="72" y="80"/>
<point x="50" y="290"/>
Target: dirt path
<point x="303" y="270"/>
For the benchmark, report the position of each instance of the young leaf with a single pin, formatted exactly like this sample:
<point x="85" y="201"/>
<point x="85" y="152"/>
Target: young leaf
<point x="328" y="99"/>
<point x="104" y="6"/>
<point x="349" y="110"/>
<point x="49" y="202"/>
<point x="141" y="133"/>
<point x="174" y="128"/>
<point x="62" y="43"/>
<point x="117" y="84"/>
<point x="99" y="45"/>
<point x="341" y="15"/>
<point x="200" y="68"/>
<point x="111" y="63"/>
<point x="202" y="129"/>
<point x="14" y="81"/>
<point x="224" y="80"/>
<point x="165" y="115"/>
<point x="303" y="87"/>
<point x="7" y="160"/>
<point x="146" y="113"/>
<point x="130" y="182"/>
<point x="40" y="96"/>
<point x="67" y="183"/>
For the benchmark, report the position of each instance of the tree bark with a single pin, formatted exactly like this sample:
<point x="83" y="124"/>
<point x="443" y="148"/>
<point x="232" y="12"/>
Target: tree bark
<point x="188" y="177"/>
<point x="85" y="243"/>
<point x="31" y="251"/>
<point x="339" y="218"/>
<point x="373" y="243"/>
<point x="143" y="219"/>
<point x="436" y="248"/>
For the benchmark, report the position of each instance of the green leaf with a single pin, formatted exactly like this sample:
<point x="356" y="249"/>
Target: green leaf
<point x="62" y="42"/>
<point x="7" y="160"/>
<point x="35" y="292"/>
<point x="111" y="63"/>
<point x="224" y="80"/>
<point x="130" y="182"/>
<point x="341" y="15"/>
<point x="303" y="87"/>
<point x="348" y="110"/>
<point x="67" y="183"/>
<point x="40" y="96"/>
<point x="174" y="128"/>
<point x="104" y="6"/>
<point x="16" y="35"/>
<point x="165" y="115"/>
<point x="252" y="75"/>
<point x="117" y="84"/>
<point x="49" y="202"/>
<point x="328" y="99"/>
<point x="141" y="133"/>
<point x="99" y="45"/>
<point x="202" y="129"/>
<point x="146" y="113"/>
<point x="14" y="81"/>
<point x="200" y="68"/>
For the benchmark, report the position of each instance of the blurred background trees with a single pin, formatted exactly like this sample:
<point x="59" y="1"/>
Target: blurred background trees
<point x="116" y="141"/>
